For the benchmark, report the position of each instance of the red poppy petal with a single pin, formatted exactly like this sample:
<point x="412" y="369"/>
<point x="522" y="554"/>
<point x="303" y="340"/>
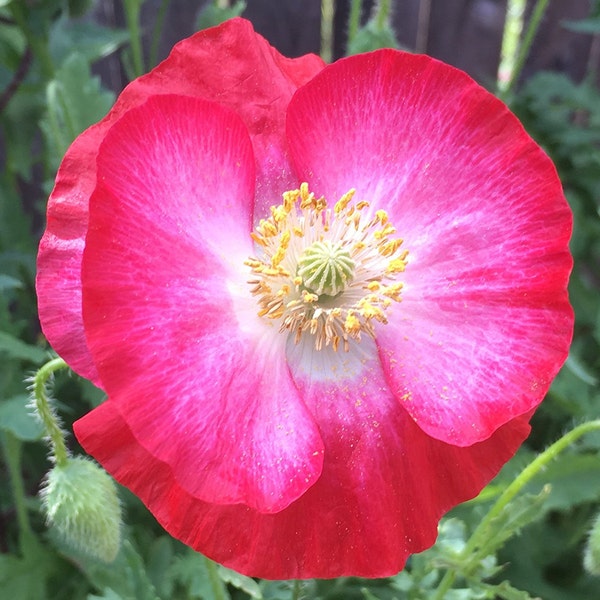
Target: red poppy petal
<point x="164" y="314"/>
<point x="485" y="321"/>
<point x="384" y="486"/>
<point x="236" y="67"/>
<point x="229" y="64"/>
<point x="58" y="279"/>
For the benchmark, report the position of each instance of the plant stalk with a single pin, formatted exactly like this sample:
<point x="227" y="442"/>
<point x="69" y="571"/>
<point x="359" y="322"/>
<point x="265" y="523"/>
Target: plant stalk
<point x="46" y="412"/>
<point x="525" y="477"/>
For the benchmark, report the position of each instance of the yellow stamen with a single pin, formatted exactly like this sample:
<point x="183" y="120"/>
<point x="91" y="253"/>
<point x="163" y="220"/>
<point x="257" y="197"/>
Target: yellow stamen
<point x="343" y="202"/>
<point x="328" y="273"/>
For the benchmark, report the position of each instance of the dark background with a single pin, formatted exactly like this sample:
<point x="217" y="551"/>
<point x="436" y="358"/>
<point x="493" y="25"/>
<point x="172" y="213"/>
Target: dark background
<point x="464" y="33"/>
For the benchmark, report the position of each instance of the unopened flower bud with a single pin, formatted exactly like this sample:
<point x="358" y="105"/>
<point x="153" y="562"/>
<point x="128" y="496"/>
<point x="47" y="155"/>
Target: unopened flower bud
<point x="81" y="503"/>
<point x="591" y="554"/>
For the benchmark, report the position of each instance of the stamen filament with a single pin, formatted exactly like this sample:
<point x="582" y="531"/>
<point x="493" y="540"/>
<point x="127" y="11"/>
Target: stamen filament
<point x="327" y="273"/>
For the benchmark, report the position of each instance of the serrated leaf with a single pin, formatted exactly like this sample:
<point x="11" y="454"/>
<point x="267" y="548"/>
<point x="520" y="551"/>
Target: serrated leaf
<point x="17" y="418"/>
<point x="505" y="591"/>
<point x="516" y="514"/>
<point x="75" y="100"/>
<point x="403" y="581"/>
<point x="452" y="536"/>
<point x="241" y="582"/>
<point x="15" y="348"/>
<point x="191" y="572"/>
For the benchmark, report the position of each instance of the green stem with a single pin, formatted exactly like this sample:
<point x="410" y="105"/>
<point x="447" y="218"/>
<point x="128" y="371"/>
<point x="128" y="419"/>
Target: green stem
<point x="354" y="19"/>
<point x="383" y="13"/>
<point x="132" y="18"/>
<point x="513" y="28"/>
<point x="296" y="590"/>
<point x="36" y="40"/>
<point x="216" y="583"/>
<point x="12" y="452"/>
<point x="514" y="54"/>
<point x="46" y="412"/>
<point x="327" y="13"/>
<point x="157" y="32"/>
<point x="525" y="477"/>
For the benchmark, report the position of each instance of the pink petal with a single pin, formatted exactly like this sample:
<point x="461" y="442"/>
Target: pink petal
<point x="485" y="321"/>
<point x="229" y="64"/>
<point x="196" y="374"/>
<point x="384" y="486"/>
<point x="58" y="278"/>
<point x="236" y="67"/>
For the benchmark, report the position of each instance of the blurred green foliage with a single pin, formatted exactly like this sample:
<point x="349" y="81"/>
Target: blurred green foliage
<point x="48" y="96"/>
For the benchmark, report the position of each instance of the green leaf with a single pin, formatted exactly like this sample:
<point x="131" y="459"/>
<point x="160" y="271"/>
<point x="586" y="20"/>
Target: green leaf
<point x="275" y="590"/>
<point x="547" y="563"/>
<point x="126" y="576"/>
<point x="107" y="594"/>
<point x="574" y="479"/>
<point x="372" y="37"/>
<point x="580" y="371"/>
<point x="191" y="572"/>
<point x="15" y="227"/>
<point x="591" y="25"/>
<point x="75" y="100"/>
<point x="522" y="511"/>
<point x="92" y="41"/>
<point x="78" y="8"/>
<point x="159" y="561"/>
<point x="505" y="591"/>
<point x="25" y="578"/>
<point x="19" y="121"/>
<point x="16" y="417"/>
<point x="212" y="14"/>
<point x="465" y="594"/>
<point x="9" y="283"/>
<point x="241" y="582"/>
<point x="15" y="348"/>
<point x="16" y="579"/>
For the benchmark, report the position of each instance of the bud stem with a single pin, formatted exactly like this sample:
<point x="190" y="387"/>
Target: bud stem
<point x="526" y="475"/>
<point x="46" y="412"/>
<point x="297" y="590"/>
<point x="13" y="451"/>
<point x="216" y="583"/>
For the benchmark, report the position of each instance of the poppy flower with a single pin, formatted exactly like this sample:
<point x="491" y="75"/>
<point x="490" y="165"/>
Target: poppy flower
<point x="323" y="301"/>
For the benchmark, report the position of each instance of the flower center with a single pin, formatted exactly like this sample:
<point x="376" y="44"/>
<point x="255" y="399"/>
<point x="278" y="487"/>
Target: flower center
<point x="330" y="273"/>
<point x="326" y="268"/>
